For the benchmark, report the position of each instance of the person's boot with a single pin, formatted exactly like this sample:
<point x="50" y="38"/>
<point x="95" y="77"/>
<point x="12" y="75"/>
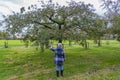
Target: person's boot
<point x="62" y="73"/>
<point x="57" y="73"/>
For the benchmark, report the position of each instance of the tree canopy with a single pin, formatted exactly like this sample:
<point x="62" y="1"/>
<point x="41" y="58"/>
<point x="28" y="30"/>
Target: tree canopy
<point x="75" y="21"/>
<point x="113" y="16"/>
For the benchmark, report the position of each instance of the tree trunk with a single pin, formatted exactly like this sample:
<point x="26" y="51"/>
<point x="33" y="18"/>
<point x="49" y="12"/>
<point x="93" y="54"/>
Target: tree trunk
<point x="26" y="43"/>
<point x="60" y="40"/>
<point x="85" y="44"/>
<point x="42" y="47"/>
<point x="95" y="41"/>
<point x="47" y="44"/>
<point x="99" y="42"/>
<point x="6" y="44"/>
<point x="60" y="34"/>
<point x="70" y="40"/>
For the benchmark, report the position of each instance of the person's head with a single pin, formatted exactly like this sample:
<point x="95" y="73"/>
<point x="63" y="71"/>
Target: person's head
<point x="59" y="45"/>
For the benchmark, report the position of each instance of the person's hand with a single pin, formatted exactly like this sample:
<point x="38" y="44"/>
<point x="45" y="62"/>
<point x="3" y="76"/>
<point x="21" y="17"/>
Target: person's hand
<point x="64" y="59"/>
<point x="51" y="46"/>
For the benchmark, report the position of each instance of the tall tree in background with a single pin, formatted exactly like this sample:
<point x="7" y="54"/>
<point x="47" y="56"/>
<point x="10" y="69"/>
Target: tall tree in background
<point x="51" y="21"/>
<point x="82" y="20"/>
<point x="99" y="30"/>
<point x="113" y="15"/>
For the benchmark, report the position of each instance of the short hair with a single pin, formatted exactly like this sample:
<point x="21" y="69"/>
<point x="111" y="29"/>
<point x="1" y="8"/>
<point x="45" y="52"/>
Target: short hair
<point x="60" y="45"/>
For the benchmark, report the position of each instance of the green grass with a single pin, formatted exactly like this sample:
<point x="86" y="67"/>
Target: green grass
<point x="96" y="63"/>
<point x="12" y="43"/>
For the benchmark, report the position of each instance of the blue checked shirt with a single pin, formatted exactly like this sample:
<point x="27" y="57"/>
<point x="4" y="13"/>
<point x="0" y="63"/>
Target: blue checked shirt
<point x="59" y="57"/>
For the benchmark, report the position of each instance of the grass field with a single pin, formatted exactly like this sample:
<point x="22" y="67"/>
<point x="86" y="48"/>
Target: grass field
<point x="95" y="63"/>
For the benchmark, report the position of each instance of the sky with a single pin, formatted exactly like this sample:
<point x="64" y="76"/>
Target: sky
<point x="7" y="6"/>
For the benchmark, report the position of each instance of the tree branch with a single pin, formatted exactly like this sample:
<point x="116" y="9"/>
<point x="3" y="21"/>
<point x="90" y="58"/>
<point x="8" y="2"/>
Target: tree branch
<point x="44" y="24"/>
<point x="50" y="18"/>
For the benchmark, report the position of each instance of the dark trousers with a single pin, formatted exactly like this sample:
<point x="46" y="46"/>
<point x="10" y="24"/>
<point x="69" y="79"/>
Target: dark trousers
<point x="58" y="73"/>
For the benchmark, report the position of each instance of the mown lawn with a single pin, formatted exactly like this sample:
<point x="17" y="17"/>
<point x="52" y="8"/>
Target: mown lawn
<point x="96" y="63"/>
<point x="12" y="43"/>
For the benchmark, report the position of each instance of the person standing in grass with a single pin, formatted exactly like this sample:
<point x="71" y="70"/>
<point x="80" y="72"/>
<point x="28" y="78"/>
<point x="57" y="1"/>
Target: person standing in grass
<point x="59" y="59"/>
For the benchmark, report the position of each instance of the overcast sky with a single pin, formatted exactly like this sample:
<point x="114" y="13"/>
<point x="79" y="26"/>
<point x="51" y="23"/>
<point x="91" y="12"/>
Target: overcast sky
<point x="7" y="6"/>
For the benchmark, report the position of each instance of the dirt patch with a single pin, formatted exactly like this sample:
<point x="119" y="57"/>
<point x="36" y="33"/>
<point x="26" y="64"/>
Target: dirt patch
<point x="74" y="77"/>
<point x="12" y="77"/>
<point x="29" y="74"/>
